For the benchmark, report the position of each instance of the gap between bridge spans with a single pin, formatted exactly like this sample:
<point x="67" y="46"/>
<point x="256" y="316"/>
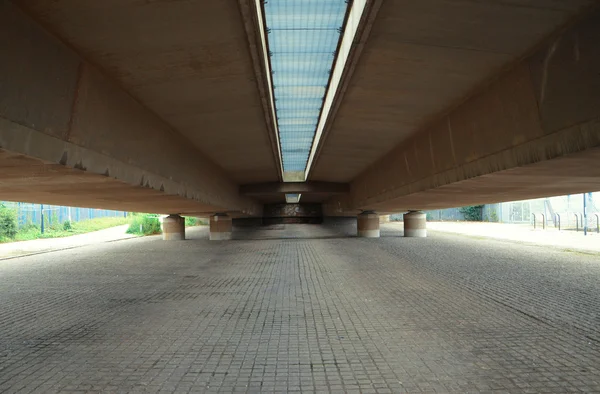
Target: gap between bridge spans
<point x="305" y="45"/>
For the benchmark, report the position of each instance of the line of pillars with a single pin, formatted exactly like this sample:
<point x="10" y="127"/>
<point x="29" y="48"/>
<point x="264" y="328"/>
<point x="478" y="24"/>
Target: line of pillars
<point x="220" y="227"/>
<point x="415" y="225"/>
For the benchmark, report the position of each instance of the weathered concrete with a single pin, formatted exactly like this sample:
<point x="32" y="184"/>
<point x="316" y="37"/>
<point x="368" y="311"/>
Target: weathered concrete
<point x="67" y="114"/>
<point x="220" y="227"/>
<point x="294" y="187"/>
<point x="422" y="59"/>
<point x="164" y="107"/>
<point x="173" y="228"/>
<point x="188" y="62"/>
<point x="367" y="224"/>
<point x="533" y="132"/>
<point x="415" y="224"/>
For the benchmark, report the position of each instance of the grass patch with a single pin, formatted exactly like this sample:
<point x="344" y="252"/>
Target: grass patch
<point x="144" y="224"/>
<point x="58" y="230"/>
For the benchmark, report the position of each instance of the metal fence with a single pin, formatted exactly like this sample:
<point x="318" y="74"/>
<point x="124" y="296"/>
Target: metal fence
<point x="561" y="212"/>
<point x="28" y="213"/>
<point x="566" y="211"/>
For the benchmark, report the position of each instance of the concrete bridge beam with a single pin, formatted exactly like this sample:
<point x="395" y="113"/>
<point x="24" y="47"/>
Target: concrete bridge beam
<point x="88" y="140"/>
<point x="534" y="131"/>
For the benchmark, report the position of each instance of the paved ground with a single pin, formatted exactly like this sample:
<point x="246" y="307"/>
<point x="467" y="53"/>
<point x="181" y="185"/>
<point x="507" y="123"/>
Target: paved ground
<point x="442" y="314"/>
<point x="13" y="249"/>
<point x="519" y="233"/>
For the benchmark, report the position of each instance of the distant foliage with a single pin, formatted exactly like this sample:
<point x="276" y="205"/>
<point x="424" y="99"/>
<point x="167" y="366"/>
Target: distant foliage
<point x="189" y="221"/>
<point x="8" y="222"/>
<point x="29" y="226"/>
<point x="67" y="225"/>
<point x="144" y="224"/>
<point x="53" y="221"/>
<point x="473" y="213"/>
<point x="493" y="216"/>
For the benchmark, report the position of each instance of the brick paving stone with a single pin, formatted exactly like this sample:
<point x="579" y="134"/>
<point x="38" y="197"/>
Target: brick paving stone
<point x="301" y="309"/>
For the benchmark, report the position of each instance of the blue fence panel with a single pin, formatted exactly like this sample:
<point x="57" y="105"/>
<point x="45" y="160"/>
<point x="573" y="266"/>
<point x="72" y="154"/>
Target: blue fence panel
<point x="28" y="213"/>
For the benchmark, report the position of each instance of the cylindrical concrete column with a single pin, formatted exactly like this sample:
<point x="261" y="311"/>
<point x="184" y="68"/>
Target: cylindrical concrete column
<point x="220" y="227"/>
<point x="367" y="224"/>
<point x="173" y="228"/>
<point x="415" y="224"/>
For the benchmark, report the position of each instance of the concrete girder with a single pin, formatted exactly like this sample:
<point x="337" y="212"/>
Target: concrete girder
<point x="421" y="60"/>
<point x="294" y="187"/>
<point x="62" y="115"/>
<point x="533" y="132"/>
<point x="193" y="63"/>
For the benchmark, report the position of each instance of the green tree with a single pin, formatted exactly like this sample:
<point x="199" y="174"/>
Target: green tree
<point x="472" y="213"/>
<point x="8" y="222"/>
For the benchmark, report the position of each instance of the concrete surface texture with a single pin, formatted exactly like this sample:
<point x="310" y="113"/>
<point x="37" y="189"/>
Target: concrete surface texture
<point x="520" y="137"/>
<point x="189" y="63"/>
<point x="166" y="107"/>
<point x="522" y="233"/>
<point x="420" y="60"/>
<point x="65" y="114"/>
<point x="336" y="314"/>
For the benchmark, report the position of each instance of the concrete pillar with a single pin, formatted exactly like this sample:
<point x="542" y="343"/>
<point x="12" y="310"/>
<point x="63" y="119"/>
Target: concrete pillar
<point x="220" y="227"/>
<point x="173" y="228"/>
<point x="368" y="224"/>
<point x="415" y="224"/>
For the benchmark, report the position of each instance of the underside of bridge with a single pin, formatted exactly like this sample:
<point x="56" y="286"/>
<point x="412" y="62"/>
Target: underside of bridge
<point x="202" y="107"/>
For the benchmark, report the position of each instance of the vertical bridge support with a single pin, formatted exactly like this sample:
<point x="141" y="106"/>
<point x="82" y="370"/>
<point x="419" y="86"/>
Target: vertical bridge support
<point x="368" y="224"/>
<point x="220" y="227"/>
<point x="173" y="228"/>
<point x="415" y="224"/>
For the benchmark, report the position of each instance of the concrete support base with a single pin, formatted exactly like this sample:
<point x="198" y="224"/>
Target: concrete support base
<point x="368" y="224"/>
<point x="415" y="224"/>
<point x="220" y="227"/>
<point x="173" y="228"/>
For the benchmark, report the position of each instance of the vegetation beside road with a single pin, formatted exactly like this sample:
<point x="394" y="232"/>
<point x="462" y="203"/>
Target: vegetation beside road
<point x="149" y="224"/>
<point x="139" y="224"/>
<point x="144" y="224"/>
<point x="31" y="231"/>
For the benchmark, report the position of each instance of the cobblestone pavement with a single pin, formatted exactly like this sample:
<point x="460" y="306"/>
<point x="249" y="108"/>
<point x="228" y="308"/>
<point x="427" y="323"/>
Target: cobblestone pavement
<point x="338" y="314"/>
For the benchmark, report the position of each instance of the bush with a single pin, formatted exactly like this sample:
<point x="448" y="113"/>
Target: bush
<point x="189" y="222"/>
<point x="473" y="213"/>
<point x="67" y="225"/>
<point x="493" y="216"/>
<point x="29" y="226"/>
<point x="8" y="222"/>
<point x="54" y="222"/>
<point x="144" y="224"/>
